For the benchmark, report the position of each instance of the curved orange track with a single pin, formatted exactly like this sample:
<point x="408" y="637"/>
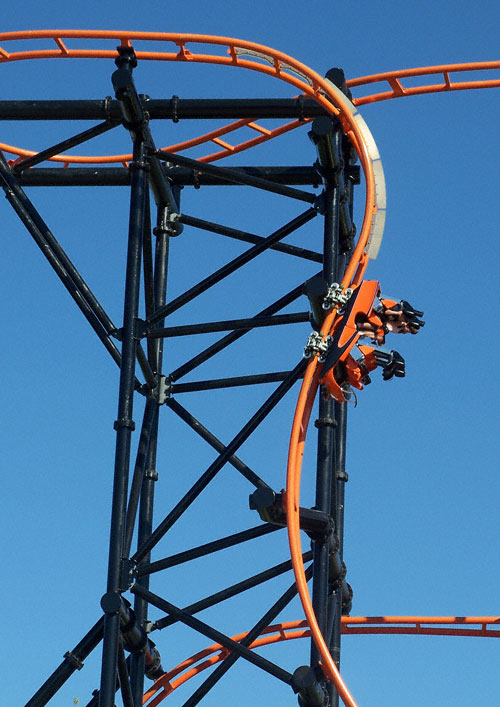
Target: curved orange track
<point x="277" y="65"/>
<point x="408" y="625"/>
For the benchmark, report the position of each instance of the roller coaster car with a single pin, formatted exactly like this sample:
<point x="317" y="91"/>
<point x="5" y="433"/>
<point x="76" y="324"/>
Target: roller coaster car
<point x="360" y="318"/>
<point x="346" y="331"/>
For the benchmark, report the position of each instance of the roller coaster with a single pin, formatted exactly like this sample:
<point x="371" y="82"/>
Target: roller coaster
<point x="342" y="307"/>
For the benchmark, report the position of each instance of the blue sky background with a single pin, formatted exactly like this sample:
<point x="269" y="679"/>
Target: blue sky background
<point x="423" y="495"/>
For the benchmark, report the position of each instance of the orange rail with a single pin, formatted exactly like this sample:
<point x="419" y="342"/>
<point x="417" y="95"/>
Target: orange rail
<point x="261" y="58"/>
<point x="277" y="65"/>
<point x="395" y="79"/>
<point x="351" y="625"/>
<point x="310" y="383"/>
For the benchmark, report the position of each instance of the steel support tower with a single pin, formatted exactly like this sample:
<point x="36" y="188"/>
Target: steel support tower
<point x="155" y="178"/>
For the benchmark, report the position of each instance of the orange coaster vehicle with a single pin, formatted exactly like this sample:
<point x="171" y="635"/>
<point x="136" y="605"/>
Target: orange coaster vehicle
<point x="361" y="318"/>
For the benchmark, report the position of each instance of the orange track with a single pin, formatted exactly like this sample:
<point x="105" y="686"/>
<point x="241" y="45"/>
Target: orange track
<point x="419" y="625"/>
<point x="282" y="66"/>
<point x="277" y="65"/>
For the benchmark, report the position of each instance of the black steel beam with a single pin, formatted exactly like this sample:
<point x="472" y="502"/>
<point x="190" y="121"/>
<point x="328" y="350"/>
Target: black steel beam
<point x="213" y="634"/>
<point x="328" y="140"/>
<point x="229" y="324"/>
<point x="249" y="238"/>
<point x="221" y="460"/>
<point x="147" y="568"/>
<point x="136" y="120"/>
<point x="247" y="641"/>
<point x="166" y="108"/>
<point x="270" y="507"/>
<point x="234" y="265"/>
<point x="227" y="340"/>
<point x="58" y="259"/>
<point x="73" y="660"/>
<point x="124" y="678"/>
<point x="235" y="176"/>
<point x="235" y="381"/>
<point x="181" y="176"/>
<point x="162" y="232"/>
<point x="214" y="442"/>
<point x="61" y="147"/>
<point x="124" y="423"/>
<point x="148" y="421"/>
<point x="231" y="591"/>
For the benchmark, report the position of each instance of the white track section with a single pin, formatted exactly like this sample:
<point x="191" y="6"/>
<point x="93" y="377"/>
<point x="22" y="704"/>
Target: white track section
<point x="378" y="220"/>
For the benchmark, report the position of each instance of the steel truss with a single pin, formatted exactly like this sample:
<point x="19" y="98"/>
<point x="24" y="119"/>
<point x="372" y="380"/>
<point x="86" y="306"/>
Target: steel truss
<point x="137" y="347"/>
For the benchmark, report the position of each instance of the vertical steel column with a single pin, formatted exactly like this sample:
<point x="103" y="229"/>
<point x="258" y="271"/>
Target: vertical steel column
<point x="124" y="426"/>
<point x="325" y="422"/>
<point x="340" y="464"/>
<point x="145" y="529"/>
<point x="339" y="481"/>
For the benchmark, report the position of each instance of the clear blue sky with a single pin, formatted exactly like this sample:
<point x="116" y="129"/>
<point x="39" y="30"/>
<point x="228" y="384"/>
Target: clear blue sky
<point x="422" y="499"/>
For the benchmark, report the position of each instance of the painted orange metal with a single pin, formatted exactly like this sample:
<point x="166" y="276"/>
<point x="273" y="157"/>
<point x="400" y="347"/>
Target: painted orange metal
<point x="351" y="625"/>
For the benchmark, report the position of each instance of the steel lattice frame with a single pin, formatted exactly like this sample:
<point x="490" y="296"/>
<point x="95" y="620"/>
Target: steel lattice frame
<point x="142" y="334"/>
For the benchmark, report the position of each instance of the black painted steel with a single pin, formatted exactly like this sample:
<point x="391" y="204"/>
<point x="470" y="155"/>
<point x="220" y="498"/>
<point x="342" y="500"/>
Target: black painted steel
<point x="62" y="265"/>
<point x="167" y="108"/>
<point x="148" y="422"/>
<point x="123" y="677"/>
<point x="73" y="660"/>
<point x="234" y="265"/>
<point x="342" y="600"/>
<point x="61" y="147"/>
<point x="180" y="176"/>
<point x="147" y="568"/>
<point x="124" y="423"/>
<point x="214" y="442"/>
<point x="249" y="238"/>
<point x="222" y="459"/>
<point x="136" y="120"/>
<point x="232" y="591"/>
<point x="234" y="335"/>
<point x="254" y="633"/>
<point x="229" y="324"/>
<point x="271" y="509"/>
<point x="236" y="177"/>
<point x="340" y="481"/>
<point x="148" y="274"/>
<point x="234" y="382"/>
<point x="213" y="634"/>
<point x="328" y="143"/>
<point x="145" y="523"/>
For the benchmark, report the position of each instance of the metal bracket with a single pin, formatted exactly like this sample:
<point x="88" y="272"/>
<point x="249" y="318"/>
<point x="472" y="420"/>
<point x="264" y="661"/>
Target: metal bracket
<point x="335" y="295"/>
<point x="315" y="344"/>
<point x="74" y="660"/>
<point x="170" y="224"/>
<point x="162" y="390"/>
<point x="128" y="574"/>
